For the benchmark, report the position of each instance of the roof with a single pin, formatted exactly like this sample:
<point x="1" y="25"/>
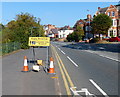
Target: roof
<point x="102" y="10"/>
<point x="54" y="30"/>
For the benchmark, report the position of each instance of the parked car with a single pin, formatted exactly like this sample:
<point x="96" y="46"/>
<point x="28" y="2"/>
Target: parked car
<point x="114" y="39"/>
<point x="106" y="38"/>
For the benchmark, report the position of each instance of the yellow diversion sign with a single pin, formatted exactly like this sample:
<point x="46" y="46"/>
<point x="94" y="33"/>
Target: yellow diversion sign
<point x="39" y="41"/>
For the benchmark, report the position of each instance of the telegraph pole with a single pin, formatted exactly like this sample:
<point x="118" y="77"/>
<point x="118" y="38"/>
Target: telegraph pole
<point x="89" y="22"/>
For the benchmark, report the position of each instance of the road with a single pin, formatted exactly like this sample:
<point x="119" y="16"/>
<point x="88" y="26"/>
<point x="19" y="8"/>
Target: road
<point x="87" y="69"/>
<point x="75" y="66"/>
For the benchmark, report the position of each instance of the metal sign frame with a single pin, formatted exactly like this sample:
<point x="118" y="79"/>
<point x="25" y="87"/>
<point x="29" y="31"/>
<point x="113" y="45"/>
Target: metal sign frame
<point x="35" y="41"/>
<point x="39" y="41"/>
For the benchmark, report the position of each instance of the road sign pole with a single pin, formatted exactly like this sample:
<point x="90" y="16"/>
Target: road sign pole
<point x="34" y="55"/>
<point x="47" y="57"/>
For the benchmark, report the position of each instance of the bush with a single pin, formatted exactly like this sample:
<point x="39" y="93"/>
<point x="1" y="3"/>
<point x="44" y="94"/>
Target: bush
<point x="65" y="40"/>
<point x="96" y="40"/>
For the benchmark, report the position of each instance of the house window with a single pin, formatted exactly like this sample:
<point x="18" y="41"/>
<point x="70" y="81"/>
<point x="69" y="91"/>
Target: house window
<point x="114" y="22"/>
<point x="113" y="13"/>
<point x="86" y="28"/>
<point x="88" y="22"/>
<point x="108" y="13"/>
<point x="119" y="22"/>
<point x="111" y="33"/>
<point x="114" y="33"/>
<point x="119" y="33"/>
<point x="60" y="36"/>
<point x="80" y="23"/>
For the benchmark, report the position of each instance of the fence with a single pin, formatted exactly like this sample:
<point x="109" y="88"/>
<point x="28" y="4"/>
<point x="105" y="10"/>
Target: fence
<point x="9" y="47"/>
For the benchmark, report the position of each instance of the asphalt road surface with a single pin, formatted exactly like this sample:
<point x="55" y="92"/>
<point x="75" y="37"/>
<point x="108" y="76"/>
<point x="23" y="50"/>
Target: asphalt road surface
<point x="97" y="74"/>
<point x="78" y="70"/>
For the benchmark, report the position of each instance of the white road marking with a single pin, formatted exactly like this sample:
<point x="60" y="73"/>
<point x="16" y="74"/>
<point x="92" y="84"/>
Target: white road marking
<point x="59" y="48"/>
<point x="109" y="58"/>
<point x="72" y="61"/>
<point x="98" y="88"/>
<point x="83" y="90"/>
<point x="63" y="52"/>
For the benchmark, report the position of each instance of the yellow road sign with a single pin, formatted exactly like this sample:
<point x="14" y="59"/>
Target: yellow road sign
<point x="39" y="41"/>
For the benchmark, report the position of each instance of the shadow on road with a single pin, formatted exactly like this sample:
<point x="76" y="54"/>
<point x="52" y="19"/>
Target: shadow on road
<point x="95" y="47"/>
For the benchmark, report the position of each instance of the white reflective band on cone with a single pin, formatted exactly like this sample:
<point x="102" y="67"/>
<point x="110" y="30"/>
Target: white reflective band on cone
<point x="25" y="62"/>
<point x="51" y="64"/>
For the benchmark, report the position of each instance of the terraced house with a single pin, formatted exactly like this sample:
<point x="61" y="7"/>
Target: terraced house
<point x="114" y="12"/>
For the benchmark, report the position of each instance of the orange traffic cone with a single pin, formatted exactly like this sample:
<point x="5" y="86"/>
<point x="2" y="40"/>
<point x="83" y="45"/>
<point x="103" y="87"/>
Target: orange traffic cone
<point x="25" y="67"/>
<point x="51" y="69"/>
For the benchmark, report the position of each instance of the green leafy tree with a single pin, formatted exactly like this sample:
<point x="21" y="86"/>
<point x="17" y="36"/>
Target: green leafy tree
<point x="70" y="37"/>
<point x="76" y="35"/>
<point x="23" y="27"/>
<point x="1" y="28"/>
<point x="100" y="24"/>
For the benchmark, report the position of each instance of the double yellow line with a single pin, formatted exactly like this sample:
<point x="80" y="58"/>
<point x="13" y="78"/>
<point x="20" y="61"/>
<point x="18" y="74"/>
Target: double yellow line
<point x="65" y="75"/>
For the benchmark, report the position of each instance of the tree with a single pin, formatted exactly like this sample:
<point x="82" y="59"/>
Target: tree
<point x="24" y="26"/>
<point x="70" y="37"/>
<point x="100" y="24"/>
<point x="76" y="35"/>
<point x="1" y="26"/>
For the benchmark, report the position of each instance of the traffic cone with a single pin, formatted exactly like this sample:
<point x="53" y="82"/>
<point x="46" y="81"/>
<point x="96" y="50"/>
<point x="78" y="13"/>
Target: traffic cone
<point x="25" y="67"/>
<point x="51" y="69"/>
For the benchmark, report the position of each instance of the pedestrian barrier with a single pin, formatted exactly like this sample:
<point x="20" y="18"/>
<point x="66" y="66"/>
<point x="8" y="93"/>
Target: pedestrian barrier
<point x="25" y="67"/>
<point x="9" y="47"/>
<point x="51" y="69"/>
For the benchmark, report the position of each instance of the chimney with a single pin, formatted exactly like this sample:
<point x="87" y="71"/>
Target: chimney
<point x="89" y="16"/>
<point x="98" y="8"/>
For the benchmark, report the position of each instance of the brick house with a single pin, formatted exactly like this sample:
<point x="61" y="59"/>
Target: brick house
<point x="85" y="24"/>
<point x="48" y="28"/>
<point x="114" y="12"/>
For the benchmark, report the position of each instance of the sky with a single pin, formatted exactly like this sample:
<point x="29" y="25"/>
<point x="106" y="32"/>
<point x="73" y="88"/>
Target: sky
<point x="56" y="13"/>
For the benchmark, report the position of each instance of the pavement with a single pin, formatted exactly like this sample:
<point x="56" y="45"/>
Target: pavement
<point x="15" y="82"/>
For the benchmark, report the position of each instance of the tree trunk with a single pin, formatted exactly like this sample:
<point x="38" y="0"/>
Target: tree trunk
<point x="100" y="38"/>
<point x="93" y="35"/>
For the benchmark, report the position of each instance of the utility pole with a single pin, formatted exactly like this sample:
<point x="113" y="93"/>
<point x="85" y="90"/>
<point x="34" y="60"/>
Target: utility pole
<point x="89" y="22"/>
